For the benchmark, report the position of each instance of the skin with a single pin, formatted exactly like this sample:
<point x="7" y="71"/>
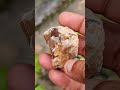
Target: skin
<point x="74" y="80"/>
<point x="112" y="31"/>
<point x="21" y="77"/>
<point x="111" y="55"/>
<point x="69" y="81"/>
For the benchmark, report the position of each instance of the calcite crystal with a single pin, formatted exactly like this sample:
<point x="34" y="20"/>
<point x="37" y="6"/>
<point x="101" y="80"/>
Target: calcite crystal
<point x="63" y="43"/>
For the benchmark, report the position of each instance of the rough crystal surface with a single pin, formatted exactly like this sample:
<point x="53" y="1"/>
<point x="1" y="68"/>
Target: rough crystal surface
<point x="63" y="43"/>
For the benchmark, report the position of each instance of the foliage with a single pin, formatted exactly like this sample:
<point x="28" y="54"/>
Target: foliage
<point x="37" y="75"/>
<point x="3" y="78"/>
<point x="39" y="88"/>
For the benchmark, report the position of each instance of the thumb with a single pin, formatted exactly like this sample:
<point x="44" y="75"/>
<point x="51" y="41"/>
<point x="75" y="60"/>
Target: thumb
<point x="75" y="69"/>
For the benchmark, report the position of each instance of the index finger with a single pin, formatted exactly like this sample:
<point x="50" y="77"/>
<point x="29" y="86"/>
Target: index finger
<point x="73" y="21"/>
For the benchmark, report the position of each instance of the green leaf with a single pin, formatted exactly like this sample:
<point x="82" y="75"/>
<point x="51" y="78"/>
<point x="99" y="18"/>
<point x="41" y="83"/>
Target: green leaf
<point x="37" y="69"/>
<point x="37" y="66"/>
<point x="39" y="87"/>
<point x="79" y="34"/>
<point x="80" y="57"/>
<point x="3" y="78"/>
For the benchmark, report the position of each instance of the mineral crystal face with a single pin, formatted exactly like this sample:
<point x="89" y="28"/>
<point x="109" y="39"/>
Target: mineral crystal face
<point x="63" y="43"/>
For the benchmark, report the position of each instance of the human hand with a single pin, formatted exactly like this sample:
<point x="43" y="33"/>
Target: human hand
<point x="21" y="77"/>
<point x="74" y="80"/>
<point x="110" y="9"/>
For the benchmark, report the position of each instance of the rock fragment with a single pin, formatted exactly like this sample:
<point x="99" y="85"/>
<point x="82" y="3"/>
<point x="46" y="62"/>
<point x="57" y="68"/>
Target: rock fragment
<point x="63" y="43"/>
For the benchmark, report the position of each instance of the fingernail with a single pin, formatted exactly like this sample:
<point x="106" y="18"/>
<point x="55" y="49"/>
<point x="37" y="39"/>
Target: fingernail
<point x="69" y="65"/>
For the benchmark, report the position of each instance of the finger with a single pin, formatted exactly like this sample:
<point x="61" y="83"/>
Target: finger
<point x="63" y="81"/>
<point x="94" y="82"/>
<point x="73" y="85"/>
<point x="77" y="23"/>
<point x="81" y="49"/>
<point x="108" y="85"/>
<point x="45" y="61"/>
<point x="59" y="78"/>
<point x="21" y="77"/>
<point x="72" y="20"/>
<point x="75" y="70"/>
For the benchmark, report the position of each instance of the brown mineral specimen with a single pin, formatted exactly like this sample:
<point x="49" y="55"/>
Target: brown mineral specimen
<point x="63" y="43"/>
<point x="28" y="26"/>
